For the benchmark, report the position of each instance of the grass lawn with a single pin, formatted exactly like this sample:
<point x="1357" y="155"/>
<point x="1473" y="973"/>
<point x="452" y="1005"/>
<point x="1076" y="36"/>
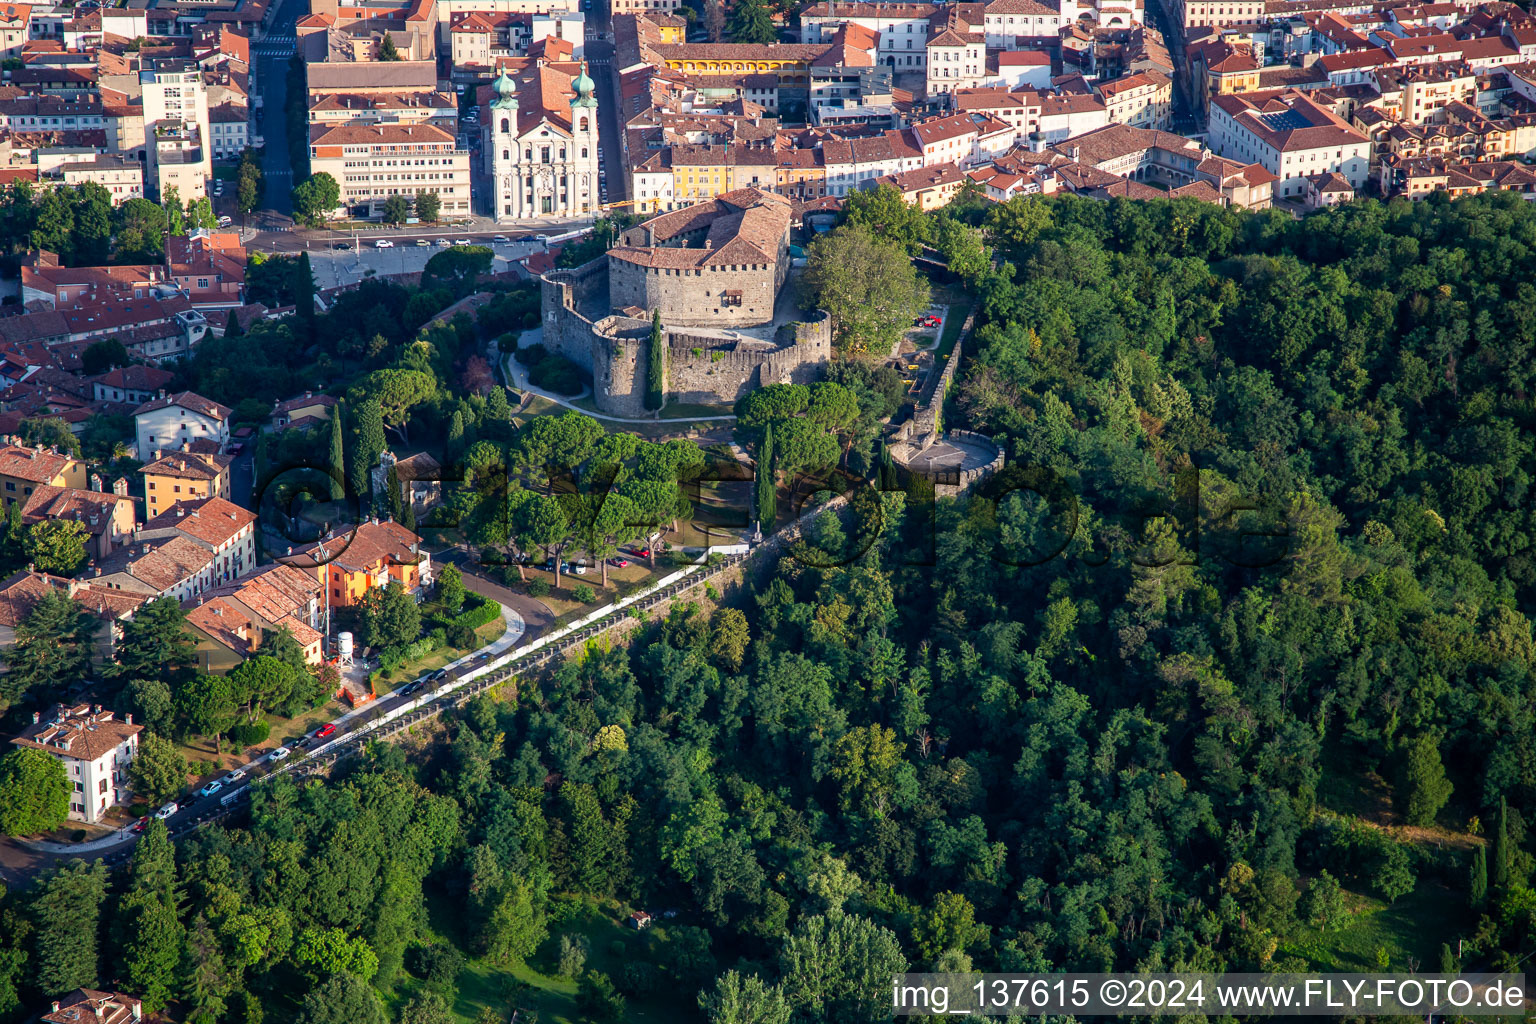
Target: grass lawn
<point x="384" y="681"/>
<point x="959" y="309"/>
<point x="527" y="987"/>
<point x="1412" y="928"/>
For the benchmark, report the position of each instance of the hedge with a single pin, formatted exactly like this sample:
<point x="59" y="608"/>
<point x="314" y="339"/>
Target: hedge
<point x="474" y="618"/>
<point x="390" y="657"/>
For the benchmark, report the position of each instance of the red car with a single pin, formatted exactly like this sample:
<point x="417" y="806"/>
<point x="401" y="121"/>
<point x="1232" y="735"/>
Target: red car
<point x="325" y="730"/>
<point x="931" y="321"/>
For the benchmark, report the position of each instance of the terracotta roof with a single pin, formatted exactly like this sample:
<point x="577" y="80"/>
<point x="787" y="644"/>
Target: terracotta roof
<point x="39" y="465"/>
<point x="88" y="1006"/>
<point x="166" y="564"/>
<point x="303" y="402"/>
<point x="135" y="378"/>
<point x="84" y="732"/>
<point x="1332" y="181"/>
<point x="188" y="466"/>
<point x="50" y="502"/>
<point x="378" y="135"/>
<point x="744" y="226"/>
<point x="365" y="548"/>
<point x="191" y="401"/>
<point x="213" y="521"/>
<point x="421" y="466"/>
<point x="24" y="589"/>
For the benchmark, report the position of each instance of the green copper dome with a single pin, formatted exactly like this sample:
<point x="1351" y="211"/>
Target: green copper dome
<point x="506" y="92"/>
<point x="584" y="88"/>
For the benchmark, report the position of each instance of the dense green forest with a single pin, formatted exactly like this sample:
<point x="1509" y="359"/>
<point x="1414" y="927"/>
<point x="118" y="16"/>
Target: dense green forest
<point x="1149" y="751"/>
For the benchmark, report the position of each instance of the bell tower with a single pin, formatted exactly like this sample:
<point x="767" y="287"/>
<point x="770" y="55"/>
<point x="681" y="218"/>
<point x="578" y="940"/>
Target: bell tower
<point x="586" y="198"/>
<point x="501" y="147"/>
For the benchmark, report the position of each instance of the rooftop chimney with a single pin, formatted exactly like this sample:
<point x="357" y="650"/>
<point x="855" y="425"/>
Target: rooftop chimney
<point x="128" y="718"/>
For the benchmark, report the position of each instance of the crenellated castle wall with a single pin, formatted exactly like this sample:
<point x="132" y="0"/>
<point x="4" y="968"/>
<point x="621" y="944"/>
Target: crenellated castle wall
<point x="574" y="305"/>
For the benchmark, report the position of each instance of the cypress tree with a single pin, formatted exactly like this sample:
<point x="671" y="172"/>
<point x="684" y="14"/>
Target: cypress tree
<point x="367" y="445"/>
<point x="767" y="499"/>
<point x="233" y="329"/>
<point x="304" y="295"/>
<point x="655" y="365"/>
<point x="1501" y="847"/>
<point x="396" y="502"/>
<point x="338" y="467"/>
<point x="455" y="443"/>
<point x="1479" y="886"/>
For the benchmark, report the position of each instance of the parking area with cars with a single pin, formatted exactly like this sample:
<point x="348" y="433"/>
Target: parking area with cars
<point x="342" y="261"/>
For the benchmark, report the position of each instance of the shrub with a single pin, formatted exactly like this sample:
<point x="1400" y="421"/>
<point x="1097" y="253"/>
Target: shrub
<point x="531" y="355"/>
<point x="461" y="636"/>
<point x="584" y="593"/>
<point x="557" y="374"/>
<point x="477" y="614"/>
<point x="538" y="588"/>
<point x="250" y="734"/>
<point x="573" y="955"/>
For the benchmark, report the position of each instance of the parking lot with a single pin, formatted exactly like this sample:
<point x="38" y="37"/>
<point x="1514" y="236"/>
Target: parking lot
<point x="335" y="267"/>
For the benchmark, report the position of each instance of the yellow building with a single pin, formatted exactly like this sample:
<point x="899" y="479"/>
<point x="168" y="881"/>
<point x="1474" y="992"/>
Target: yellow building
<point x="182" y="476"/>
<point x="23" y="470"/>
<point x="700" y="173"/>
<point x="790" y="61"/>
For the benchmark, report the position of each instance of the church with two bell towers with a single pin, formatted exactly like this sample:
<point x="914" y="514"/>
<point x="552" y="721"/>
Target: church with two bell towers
<point x="541" y="140"/>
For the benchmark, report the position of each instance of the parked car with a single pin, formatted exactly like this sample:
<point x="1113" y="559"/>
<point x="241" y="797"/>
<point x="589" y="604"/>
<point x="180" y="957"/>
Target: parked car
<point x="462" y="241"/>
<point x="279" y="754"/>
<point x="501" y="240"/>
<point x="411" y="687"/>
<point x="138" y="826"/>
<point x="622" y="563"/>
<point x="328" y="729"/>
<point x="422" y="243"/>
<point x="168" y="810"/>
<point x="210" y="789"/>
<point x="442" y="243"/>
<point x="581" y="570"/>
<point x="234" y="776"/>
<point x="225" y="221"/>
<point x="383" y="243"/>
<point x="344" y="246"/>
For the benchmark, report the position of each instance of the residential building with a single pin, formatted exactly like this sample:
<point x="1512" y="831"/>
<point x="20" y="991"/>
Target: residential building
<point x="927" y="188"/>
<point x="95" y="750"/>
<point x="123" y="179"/>
<point x="176" y="125"/>
<point x="231" y="621"/>
<point x="85" y="1005"/>
<point x="225" y="530"/>
<point x="229" y="130"/>
<point x="421" y="475"/>
<point x="24" y="469"/>
<point x="541" y="142"/>
<point x="1291" y="136"/>
<point x="177" y="567"/>
<point x="308" y="410"/>
<point x="371" y="555"/>
<point x="168" y="421"/>
<point x="372" y="162"/>
<point x="107" y="518"/>
<point x="20" y="593"/>
<point x="1142" y="100"/>
<point x="1328" y="189"/>
<point x="132" y="385"/>
<point x="183" y="476"/>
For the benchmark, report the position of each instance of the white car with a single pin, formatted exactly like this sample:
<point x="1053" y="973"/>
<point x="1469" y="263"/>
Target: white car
<point x="383" y="243"/>
<point x="226" y="221"/>
<point x="279" y="754"/>
<point x="443" y="243"/>
<point x="501" y="240"/>
<point x="462" y="241"/>
<point x="234" y="776"/>
<point x="168" y="810"/>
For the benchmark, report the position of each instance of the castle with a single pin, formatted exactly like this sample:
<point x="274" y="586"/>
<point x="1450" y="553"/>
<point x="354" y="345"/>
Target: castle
<point x="711" y="270"/>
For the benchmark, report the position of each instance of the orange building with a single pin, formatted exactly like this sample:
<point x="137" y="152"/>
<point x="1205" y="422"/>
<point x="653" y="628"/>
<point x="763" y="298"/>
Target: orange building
<point x="351" y="564"/>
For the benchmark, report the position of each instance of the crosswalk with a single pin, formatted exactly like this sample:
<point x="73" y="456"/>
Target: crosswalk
<point x="275" y="46"/>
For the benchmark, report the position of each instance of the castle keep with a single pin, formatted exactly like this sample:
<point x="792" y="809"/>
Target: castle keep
<point x="712" y="270"/>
